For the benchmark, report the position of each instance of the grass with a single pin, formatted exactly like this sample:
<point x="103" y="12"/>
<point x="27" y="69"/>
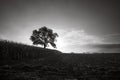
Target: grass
<point x="23" y="62"/>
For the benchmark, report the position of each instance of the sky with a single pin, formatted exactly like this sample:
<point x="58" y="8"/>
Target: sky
<point x="82" y="25"/>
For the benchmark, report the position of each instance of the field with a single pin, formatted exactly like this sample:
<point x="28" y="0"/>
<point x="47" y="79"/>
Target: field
<point x="23" y="62"/>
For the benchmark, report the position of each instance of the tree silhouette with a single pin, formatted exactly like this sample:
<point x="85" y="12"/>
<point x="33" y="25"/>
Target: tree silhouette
<point x="44" y="36"/>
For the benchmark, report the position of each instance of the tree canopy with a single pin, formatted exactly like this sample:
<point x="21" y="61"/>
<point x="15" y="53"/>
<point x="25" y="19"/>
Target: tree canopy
<point x="44" y="36"/>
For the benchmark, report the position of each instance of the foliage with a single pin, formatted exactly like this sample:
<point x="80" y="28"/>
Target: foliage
<point x="43" y="36"/>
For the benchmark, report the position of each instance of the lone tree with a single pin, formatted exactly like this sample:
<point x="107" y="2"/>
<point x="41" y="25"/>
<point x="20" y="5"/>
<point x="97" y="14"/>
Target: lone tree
<point x="44" y="36"/>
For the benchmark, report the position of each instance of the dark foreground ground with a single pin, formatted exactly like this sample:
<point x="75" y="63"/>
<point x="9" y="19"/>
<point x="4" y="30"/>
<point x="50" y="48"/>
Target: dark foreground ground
<point x="22" y="62"/>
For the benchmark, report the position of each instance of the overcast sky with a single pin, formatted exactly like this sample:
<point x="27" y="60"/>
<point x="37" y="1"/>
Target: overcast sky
<point x="82" y="25"/>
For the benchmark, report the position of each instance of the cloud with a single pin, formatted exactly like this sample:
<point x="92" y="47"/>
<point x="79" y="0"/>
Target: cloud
<point x="2" y="36"/>
<point x="112" y="38"/>
<point x="71" y="40"/>
<point x="107" y="48"/>
<point x="109" y="44"/>
<point x="80" y="41"/>
<point x="80" y="37"/>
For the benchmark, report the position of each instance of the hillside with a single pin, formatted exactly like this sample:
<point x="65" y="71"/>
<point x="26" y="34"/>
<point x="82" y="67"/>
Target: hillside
<point x="24" y="62"/>
<point x="11" y="52"/>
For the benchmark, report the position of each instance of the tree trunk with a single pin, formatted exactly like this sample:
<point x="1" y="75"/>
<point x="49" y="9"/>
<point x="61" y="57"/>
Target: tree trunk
<point x="44" y="46"/>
